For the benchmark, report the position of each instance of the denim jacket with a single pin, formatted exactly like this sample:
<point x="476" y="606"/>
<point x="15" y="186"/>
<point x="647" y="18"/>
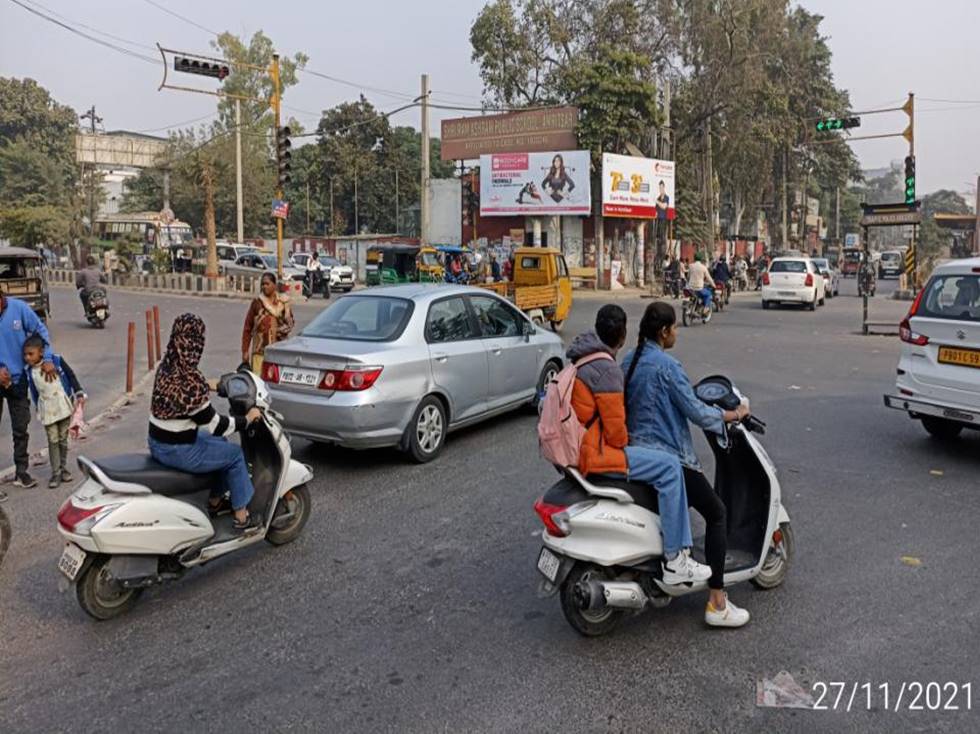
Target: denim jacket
<point x="659" y="403"/>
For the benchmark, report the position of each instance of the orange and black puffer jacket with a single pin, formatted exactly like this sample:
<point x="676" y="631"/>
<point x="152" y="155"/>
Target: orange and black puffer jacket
<point x="598" y="402"/>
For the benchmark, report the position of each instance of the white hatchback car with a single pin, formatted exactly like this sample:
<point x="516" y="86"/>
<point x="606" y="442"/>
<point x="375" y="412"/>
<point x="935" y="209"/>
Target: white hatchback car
<point x="939" y="370"/>
<point x="793" y="280"/>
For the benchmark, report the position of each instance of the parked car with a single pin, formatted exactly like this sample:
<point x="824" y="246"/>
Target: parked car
<point x="793" y="280"/>
<point x="256" y="263"/>
<point x="939" y="369"/>
<point x="831" y="276"/>
<point x="229" y="252"/>
<point x="891" y="264"/>
<point x="405" y="365"/>
<point x="341" y="276"/>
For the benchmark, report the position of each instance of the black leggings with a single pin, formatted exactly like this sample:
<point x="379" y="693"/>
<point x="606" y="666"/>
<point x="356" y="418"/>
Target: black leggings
<point x="703" y="498"/>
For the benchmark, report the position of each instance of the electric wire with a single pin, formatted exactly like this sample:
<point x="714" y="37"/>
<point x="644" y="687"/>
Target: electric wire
<point x="177" y="15"/>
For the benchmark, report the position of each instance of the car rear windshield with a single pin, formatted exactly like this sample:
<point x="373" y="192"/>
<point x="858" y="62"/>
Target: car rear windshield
<point x="822" y="264"/>
<point x="362" y="318"/>
<point x="890" y="256"/>
<point x="951" y="297"/>
<point x="788" y="266"/>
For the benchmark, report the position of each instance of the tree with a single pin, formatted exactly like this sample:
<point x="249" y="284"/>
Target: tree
<point x="29" y="114"/>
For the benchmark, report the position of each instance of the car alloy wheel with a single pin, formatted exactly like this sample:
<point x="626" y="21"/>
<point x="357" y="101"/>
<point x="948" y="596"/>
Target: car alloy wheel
<point x="429" y="429"/>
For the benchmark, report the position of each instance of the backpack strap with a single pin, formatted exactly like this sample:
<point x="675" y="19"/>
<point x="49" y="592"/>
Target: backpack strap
<point x="592" y="358"/>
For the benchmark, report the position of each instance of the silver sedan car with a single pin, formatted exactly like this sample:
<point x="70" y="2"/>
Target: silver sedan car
<point x="404" y="365"/>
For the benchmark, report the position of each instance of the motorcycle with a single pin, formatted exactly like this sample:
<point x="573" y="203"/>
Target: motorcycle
<point x="693" y="309"/>
<point x="602" y="547"/>
<point x="134" y="523"/>
<point x="97" y="307"/>
<point x="867" y="282"/>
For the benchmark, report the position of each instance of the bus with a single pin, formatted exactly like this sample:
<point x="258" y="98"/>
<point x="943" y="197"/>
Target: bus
<point x="154" y="229"/>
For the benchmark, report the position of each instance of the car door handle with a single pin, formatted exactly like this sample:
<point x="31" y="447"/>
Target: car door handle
<point x="496" y="348"/>
<point x="440" y="357"/>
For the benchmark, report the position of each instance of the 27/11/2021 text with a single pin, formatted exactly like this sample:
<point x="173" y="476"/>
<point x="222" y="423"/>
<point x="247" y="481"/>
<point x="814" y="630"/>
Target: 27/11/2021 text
<point x="907" y="696"/>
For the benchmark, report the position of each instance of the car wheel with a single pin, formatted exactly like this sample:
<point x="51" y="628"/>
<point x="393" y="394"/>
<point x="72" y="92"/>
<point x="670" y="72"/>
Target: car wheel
<point x="765" y="305"/>
<point x="548" y="373"/>
<point x="822" y="301"/>
<point x="556" y="326"/>
<point x="426" y="433"/>
<point x="812" y="305"/>
<point x="941" y="428"/>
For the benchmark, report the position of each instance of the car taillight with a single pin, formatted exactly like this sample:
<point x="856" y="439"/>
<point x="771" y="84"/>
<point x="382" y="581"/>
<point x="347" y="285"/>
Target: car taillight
<point x="270" y="372"/>
<point x="765" y="279"/>
<point x="553" y="516"/>
<point x="79" y="520"/>
<point x="809" y="280"/>
<point x="915" y="304"/>
<point x="906" y="334"/>
<point x="351" y="379"/>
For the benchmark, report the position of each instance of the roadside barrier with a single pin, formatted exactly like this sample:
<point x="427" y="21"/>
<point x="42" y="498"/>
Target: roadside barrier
<point x="231" y="286"/>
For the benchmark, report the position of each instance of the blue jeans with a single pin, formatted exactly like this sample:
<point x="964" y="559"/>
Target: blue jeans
<point x="663" y="471"/>
<point x="209" y="454"/>
<point x="705" y="294"/>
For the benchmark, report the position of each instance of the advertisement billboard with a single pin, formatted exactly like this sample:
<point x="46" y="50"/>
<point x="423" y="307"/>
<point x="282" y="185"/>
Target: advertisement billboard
<point x="637" y="188"/>
<point x="467" y="138"/>
<point x="556" y="182"/>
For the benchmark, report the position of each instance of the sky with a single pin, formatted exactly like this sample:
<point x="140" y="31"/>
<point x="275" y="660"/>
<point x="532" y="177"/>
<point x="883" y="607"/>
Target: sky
<point x="882" y="50"/>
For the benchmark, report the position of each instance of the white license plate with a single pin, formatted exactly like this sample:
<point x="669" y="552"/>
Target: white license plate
<point x="548" y="564"/>
<point x="71" y="561"/>
<point x="100" y="313"/>
<point x="298" y="376"/>
<point x="791" y="294"/>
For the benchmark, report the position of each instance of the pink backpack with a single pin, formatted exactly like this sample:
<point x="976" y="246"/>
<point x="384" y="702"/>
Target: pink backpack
<point x="559" y="432"/>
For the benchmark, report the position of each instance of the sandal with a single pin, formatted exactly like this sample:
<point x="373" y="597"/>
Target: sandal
<point x="222" y="508"/>
<point x="249" y="524"/>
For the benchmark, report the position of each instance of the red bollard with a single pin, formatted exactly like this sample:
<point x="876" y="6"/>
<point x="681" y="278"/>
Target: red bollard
<point x="156" y="330"/>
<point x="150" y="359"/>
<point x="130" y="356"/>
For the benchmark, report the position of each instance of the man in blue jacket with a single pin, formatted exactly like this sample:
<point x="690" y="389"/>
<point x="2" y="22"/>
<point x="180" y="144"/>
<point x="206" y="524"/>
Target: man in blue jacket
<point x="17" y="322"/>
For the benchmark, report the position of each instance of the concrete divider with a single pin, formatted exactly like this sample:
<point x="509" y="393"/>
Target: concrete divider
<point x="227" y="286"/>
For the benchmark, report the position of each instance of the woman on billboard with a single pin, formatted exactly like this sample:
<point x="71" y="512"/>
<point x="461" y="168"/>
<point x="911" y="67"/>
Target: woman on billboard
<point x="557" y="179"/>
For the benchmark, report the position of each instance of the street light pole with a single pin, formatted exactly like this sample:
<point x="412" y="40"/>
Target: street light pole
<point x="276" y="107"/>
<point x="424" y="192"/>
<point x="239" y="219"/>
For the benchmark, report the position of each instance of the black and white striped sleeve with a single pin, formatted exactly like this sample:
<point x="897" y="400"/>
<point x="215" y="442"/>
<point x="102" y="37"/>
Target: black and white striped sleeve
<point x="218" y="425"/>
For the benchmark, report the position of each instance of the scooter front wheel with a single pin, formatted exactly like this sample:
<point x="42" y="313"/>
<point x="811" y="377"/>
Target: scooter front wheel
<point x="590" y="623"/>
<point x="778" y="559"/>
<point x="99" y="595"/>
<point x="290" y="517"/>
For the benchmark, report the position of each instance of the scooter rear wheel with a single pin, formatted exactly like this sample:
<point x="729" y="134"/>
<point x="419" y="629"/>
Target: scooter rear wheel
<point x="100" y="596"/>
<point x="588" y="623"/>
<point x="777" y="563"/>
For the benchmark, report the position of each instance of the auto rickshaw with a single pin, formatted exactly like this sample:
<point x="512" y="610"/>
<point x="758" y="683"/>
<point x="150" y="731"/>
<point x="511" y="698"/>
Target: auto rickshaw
<point x="391" y="264"/>
<point x="22" y="275"/>
<point x="429" y="268"/>
<point x="541" y="286"/>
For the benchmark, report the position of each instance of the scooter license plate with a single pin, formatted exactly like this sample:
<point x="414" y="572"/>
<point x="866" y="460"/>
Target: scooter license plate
<point x="100" y="313"/>
<point x="71" y="561"/>
<point x="548" y="564"/>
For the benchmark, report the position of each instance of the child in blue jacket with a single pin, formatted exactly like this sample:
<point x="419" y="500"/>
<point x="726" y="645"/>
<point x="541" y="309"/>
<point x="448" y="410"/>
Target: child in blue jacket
<point x="55" y="402"/>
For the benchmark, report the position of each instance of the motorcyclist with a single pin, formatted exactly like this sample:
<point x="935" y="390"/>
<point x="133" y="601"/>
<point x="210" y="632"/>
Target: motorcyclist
<point x="742" y="273"/>
<point x="866" y="276"/>
<point x="700" y="281"/>
<point x="314" y="272"/>
<point x="88" y="278"/>
<point x="721" y="273"/>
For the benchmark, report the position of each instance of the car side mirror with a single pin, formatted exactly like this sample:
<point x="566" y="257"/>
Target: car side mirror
<point x="528" y="329"/>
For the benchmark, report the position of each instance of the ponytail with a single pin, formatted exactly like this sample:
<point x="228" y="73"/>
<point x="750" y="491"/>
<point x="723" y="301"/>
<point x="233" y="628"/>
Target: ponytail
<point x="658" y="316"/>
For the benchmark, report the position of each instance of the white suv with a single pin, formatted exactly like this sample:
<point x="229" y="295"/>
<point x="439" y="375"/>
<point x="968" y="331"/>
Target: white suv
<point x="939" y="370"/>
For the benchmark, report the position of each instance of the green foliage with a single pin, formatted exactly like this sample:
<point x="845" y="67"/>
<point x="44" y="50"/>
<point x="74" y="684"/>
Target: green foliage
<point x="29" y="226"/>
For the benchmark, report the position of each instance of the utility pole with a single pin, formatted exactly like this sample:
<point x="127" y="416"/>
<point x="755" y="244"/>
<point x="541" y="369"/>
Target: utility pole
<point x="308" y="206"/>
<point x="93" y="119"/>
<point x="240" y="220"/>
<point x="357" y="223"/>
<point x="276" y="107"/>
<point x="331" y="206"/>
<point x="710" y="185"/>
<point x="424" y="192"/>
<point x="837" y="218"/>
<point x="397" y="217"/>
<point x="785" y="235"/>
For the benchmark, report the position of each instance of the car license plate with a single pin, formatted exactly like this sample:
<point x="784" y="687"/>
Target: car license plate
<point x="548" y="564"/>
<point x="962" y="357"/>
<point x="71" y="561"/>
<point x="298" y="376"/>
<point x="791" y="294"/>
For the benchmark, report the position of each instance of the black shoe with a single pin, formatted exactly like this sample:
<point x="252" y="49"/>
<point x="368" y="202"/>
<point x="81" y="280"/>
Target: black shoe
<point x="25" y="480"/>
<point x="251" y="524"/>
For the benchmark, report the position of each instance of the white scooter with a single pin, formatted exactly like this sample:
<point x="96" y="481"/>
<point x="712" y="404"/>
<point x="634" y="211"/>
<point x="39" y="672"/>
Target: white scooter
<point x="602" y="542"/>
<point x="134" y="523"/>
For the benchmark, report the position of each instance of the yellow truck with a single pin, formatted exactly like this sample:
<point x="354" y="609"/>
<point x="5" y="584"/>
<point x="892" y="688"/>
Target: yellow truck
<point x="541" y="286"/>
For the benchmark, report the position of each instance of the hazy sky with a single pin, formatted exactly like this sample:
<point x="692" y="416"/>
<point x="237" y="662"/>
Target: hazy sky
<point x="882" y="50"/>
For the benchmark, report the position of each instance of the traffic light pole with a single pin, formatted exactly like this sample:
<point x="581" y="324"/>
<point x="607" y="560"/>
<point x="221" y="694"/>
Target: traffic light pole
<point x="276" y="108"/>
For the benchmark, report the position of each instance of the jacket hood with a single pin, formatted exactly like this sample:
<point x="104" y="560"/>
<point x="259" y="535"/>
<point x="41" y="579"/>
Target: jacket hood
<point x="585" y="344"/>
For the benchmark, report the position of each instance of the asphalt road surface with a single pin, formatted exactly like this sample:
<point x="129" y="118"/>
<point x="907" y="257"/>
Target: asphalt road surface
<point x="409" y="603"/>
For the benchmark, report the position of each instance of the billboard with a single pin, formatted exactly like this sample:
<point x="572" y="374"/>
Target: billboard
<point x="120" y="149"/>
<point x="637" y="188"/>
<point x="556" y="182"/>
<point x="467" y="138"/>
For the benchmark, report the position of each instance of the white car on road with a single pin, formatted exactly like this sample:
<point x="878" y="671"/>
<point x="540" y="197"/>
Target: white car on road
<point x="793" y="280"/>
<point x="939" y="371"/>
<point x="831" y="276"/>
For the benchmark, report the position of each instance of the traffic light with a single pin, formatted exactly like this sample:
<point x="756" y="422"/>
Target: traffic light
<point x="283" y="156"/>
<point x="191" y="65"/>
<point x="910" y="179"/>
<point x="838" y="123"/>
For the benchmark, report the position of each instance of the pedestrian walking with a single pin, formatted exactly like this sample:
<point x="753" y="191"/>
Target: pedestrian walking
<point x="269" y="319"/>
<point x="55" y="403"/>
<point x="18" y="322"/>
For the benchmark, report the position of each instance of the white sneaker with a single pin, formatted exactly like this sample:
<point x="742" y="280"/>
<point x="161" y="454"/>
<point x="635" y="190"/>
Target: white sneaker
<point x="730" y="616"/>
<point x="684" y="570"/>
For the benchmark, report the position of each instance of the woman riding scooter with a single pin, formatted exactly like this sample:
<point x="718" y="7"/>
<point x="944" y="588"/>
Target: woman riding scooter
<point x="659" y="403"/>
<point x="180" y="407"/>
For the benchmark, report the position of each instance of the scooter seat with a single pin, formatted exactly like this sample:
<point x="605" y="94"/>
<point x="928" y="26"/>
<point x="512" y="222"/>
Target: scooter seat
<point x="143" y="470"/>
<point x="567" y="491"/>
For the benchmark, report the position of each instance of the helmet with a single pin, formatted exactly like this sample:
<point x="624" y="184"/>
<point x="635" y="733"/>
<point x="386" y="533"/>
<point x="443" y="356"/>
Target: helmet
<point x="699" y="257"/>
<point x="91" y="260"/>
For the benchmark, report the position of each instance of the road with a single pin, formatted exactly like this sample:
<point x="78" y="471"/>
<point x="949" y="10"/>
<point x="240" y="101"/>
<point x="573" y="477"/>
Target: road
<point x="409" y="604"/>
